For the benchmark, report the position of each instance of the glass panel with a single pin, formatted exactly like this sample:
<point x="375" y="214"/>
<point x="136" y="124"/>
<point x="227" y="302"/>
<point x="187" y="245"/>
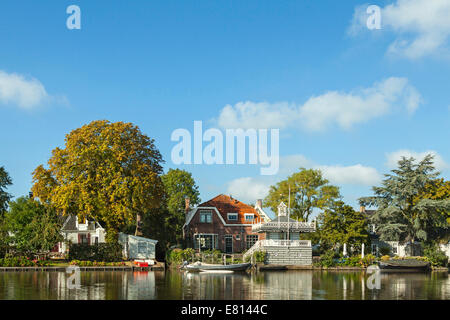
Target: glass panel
<point x="251" y="239"/>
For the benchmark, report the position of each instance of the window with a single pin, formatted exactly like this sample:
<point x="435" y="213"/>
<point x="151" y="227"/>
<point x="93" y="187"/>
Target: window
<point x="142" y="247"/>
<point x="205" y="216"/>
<point x="250" y="240"/>
<point x="205" y="241"/>
<point x="374" y="249"/>
<point x="84" y="239"/>
<point x="249" y="216"/>
<point x="395" y="249"/>
<point x="232" y="216"/>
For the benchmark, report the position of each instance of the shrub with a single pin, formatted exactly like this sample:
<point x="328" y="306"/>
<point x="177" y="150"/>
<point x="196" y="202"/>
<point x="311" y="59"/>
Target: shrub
<point x="385" y="250"/>
<point x="188" y="254"/>
<point x="385" y="258"/>
<point x="107" y="252"/>
<point x="328" y="258"/>
<point x="436" y="257"/>
<point x="354" y="261"/>
<point x="178" y="256"/>
<point x="95" y="263"/>
<point x="18" y="261"/>
<point x="259" y="256"/>
<point x="368" y="260"/>
<point x="175" y="256"/>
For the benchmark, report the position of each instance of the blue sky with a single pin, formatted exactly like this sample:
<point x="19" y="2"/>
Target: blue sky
<point x="347" y="100"/>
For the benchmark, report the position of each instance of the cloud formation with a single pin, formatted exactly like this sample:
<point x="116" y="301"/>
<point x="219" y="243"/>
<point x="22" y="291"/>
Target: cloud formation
<point x="332" y="108"/>
<point x="249" y="189"/>
<point x="393" y="158"/>
<point x="421" y="27"/>
<point x="352" y="175"/>
<point x="16" y="90"/>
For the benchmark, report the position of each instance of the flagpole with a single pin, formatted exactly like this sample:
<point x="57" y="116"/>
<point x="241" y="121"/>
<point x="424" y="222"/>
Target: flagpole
<point x="289" y="213"/>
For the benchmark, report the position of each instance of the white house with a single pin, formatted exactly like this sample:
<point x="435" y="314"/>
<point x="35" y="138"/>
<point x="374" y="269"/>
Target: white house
<point x="89" y="232"/>
<point x="396" y="247"/>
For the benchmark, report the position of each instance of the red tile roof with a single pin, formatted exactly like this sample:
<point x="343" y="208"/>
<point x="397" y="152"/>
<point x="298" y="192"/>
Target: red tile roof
<point x="226" y="204"/>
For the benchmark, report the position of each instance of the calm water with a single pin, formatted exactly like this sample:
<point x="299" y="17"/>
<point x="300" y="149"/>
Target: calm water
<point x="266" y="285"/>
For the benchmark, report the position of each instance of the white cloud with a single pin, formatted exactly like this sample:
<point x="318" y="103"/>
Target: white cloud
<point x="257" y="115"/>
<point x="348" y="109"/>
<point x="354" y="175"/>
<point x="320" y="112"/>
<point x="15" y="89"/>
<point x="422" y="27"/>
<point x="248" y="189"/>
<point x="394" y="157"/>
<point x="336" y="174"/>
<point x="291" y="163"/>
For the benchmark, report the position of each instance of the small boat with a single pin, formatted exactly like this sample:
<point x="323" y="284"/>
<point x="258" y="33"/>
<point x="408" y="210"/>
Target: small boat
<point x="407" y="265"/>
<point x="200" y="266"/>
<point x="217" y="271"/>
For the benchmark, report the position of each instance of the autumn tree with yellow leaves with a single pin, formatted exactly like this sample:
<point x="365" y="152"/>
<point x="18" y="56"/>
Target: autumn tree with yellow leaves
<point x="108" y="171"/>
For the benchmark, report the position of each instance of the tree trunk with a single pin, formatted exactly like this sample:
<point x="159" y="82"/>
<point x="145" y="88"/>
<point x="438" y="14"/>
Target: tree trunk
<point x="138" y="231"/>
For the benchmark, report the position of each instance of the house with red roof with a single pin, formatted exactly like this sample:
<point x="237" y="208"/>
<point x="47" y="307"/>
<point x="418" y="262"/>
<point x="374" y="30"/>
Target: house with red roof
<point x="223" y="223"/>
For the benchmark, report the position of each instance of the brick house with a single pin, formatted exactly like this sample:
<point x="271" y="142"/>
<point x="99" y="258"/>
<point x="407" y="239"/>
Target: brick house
<point x="223" y="223"/>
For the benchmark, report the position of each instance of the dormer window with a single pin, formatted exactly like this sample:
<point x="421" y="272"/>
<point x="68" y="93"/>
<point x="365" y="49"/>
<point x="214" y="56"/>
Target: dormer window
<point x="249" y="217"/>
<point x="205" y="216"/>
<point x="232" y="216"/>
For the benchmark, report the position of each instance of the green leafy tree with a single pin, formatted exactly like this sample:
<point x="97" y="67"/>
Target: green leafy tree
<point x="178" y="185"/>
<point x="33" y="227"/>
<point x="106" y="171"/>
<point x="342" y="224"/>
<point x="438" y="189"/>
<point x="5" y="181"/>
<point x="400" y="214"/>
<point x="309" y="191"/>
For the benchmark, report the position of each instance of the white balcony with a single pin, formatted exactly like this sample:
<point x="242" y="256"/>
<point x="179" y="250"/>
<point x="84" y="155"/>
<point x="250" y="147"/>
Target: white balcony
<point x="294" y="226"/>
<point x="262" y="244"/>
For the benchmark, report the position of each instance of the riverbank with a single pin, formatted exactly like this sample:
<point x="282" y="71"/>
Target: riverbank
<point x="269" y="267"/>
<point x="58" y="267"/>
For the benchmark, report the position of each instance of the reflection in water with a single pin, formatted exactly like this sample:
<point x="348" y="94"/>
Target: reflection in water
<point x="287" y="285"/>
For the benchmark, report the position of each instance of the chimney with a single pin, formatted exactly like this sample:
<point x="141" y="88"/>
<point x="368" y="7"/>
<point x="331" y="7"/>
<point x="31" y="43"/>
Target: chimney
<point x="258" y="204"/>
<point x="187" y="205"/>
<point x="362" y="209"/>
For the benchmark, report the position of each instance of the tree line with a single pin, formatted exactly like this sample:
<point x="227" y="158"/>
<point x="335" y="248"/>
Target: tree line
<point x="113" y="173"/>
<point x="108" y="172"/>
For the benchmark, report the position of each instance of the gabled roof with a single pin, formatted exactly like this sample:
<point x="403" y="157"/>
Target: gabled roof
<point x="70" y="224"/>
<point x="224" y="204"/>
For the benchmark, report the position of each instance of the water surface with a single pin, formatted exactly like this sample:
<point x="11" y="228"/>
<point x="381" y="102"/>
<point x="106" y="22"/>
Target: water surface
<point x="293" y="285"/>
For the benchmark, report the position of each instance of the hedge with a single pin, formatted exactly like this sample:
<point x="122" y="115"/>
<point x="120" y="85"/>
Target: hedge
<point x="107" y="252"/>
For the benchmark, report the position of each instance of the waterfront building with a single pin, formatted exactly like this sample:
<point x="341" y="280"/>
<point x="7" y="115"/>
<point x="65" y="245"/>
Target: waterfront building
<point x="79" y="232"/>
<point x="280" y="240"/>
<point x="396" y="248"/>
<point x="223" y="223"/>
<point x="135" y="247"/>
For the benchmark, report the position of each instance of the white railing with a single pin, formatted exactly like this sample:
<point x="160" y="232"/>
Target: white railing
<point x="301" y="225"/>
<point x="257" y="246"/>
<point x="261" y="244"/>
